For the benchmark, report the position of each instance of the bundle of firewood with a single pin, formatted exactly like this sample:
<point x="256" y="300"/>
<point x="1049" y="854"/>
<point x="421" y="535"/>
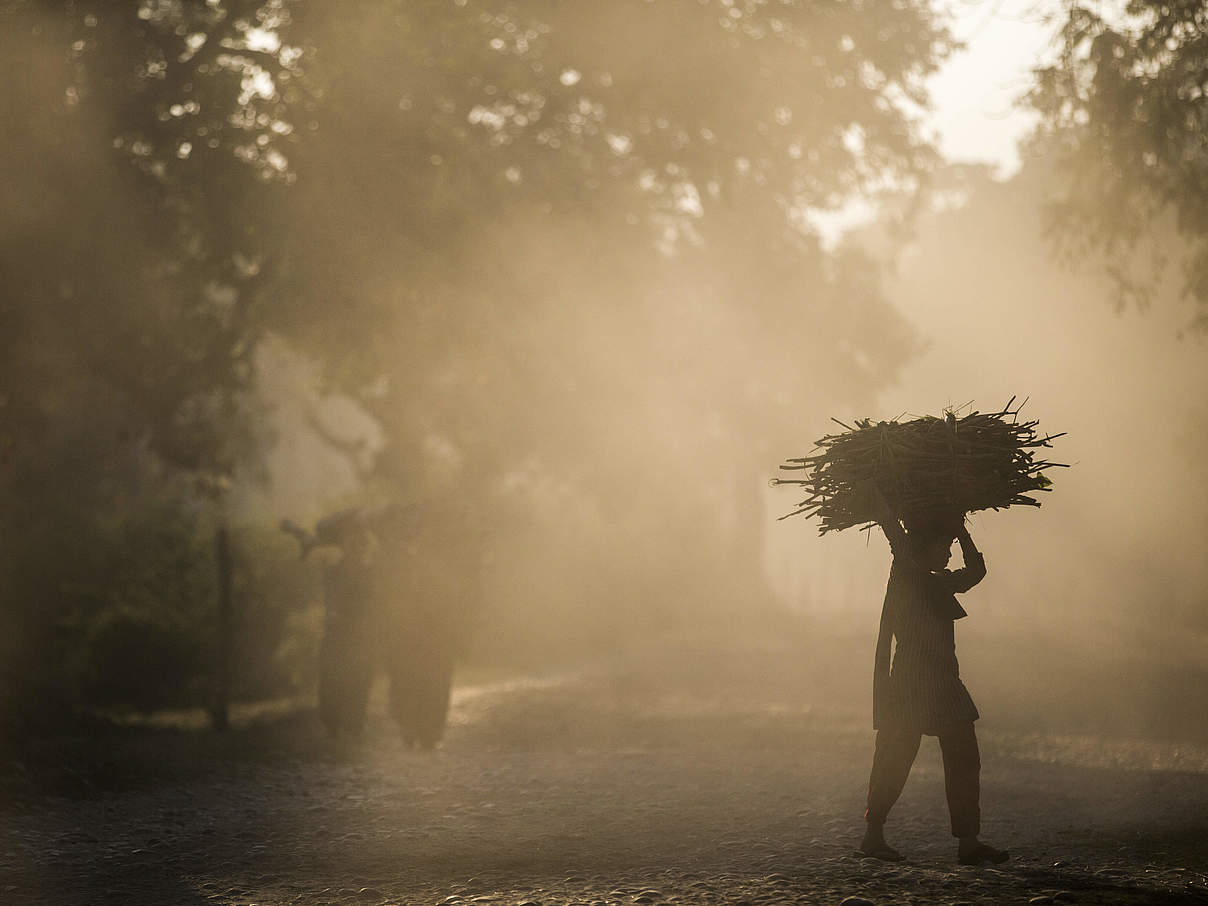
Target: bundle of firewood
<point x="926" y="469"/>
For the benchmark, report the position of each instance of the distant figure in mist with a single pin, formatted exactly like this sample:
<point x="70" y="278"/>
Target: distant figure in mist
<point x="431" y="569"/>
<point x="401" y="598"/>
<point x="346" y="652"/>
<point x="922" y="693"/>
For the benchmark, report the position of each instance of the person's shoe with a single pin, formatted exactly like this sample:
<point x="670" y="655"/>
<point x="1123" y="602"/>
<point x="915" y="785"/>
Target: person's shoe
<point x="873" y="846"/>
<point x="978" y="853"/>
<point x="883" y="851"/>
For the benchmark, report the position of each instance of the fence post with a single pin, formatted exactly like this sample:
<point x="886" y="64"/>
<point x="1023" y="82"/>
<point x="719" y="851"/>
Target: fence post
<point x="219" y="708"/>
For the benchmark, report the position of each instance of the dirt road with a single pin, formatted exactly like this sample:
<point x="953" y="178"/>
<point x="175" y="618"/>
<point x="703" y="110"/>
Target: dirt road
<point x="634" y="782"/>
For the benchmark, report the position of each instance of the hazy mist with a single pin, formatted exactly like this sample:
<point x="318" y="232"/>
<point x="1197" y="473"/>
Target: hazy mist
<point x="600" y="322"/>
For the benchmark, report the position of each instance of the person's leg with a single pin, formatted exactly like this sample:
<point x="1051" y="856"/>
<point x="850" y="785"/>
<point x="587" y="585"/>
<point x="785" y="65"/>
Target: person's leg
<point x="962" y="783"/>
<point x="962" y="778"/>
<point x="360" y="679"/>
<point x="329" y="687"/>
<point x="438" y="681"/>
<point x="403" y="685"/>
<point x="891" y="762"/>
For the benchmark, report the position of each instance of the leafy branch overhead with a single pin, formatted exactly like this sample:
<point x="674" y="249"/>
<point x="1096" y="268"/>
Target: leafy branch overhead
<point x="1123" y="109"/>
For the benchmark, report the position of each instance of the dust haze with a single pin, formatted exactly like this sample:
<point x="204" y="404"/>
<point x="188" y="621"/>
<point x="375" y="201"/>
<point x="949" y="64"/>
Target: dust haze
<point x="558" y="272"/>
<point x="612" y="415"/>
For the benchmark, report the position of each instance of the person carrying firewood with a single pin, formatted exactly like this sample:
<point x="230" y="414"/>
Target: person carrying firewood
<point x="348" y="650"/>
<point x="431" y="584"/>
<point x="931" y="472"/>
<point x="922" y="694"/>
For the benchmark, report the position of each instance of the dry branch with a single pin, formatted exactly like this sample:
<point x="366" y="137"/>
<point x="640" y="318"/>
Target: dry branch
<point x="926" y="468"/>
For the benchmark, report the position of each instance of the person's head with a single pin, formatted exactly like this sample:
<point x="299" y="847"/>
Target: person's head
<point x="349" y="531"/>
<point x="932" y="540"/>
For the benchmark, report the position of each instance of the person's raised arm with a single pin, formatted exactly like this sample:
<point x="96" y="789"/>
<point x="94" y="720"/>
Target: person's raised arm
<point x="306" y="540"/>
<point x="974" y="570"/>
<point x="889" y="523"/>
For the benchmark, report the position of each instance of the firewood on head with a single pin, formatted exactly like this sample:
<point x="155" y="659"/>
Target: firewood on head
<point x="930" y="470"/>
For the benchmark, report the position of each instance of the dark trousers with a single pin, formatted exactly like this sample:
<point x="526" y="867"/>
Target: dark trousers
<point x="420" y="682"/>
<point x="345" y="675"/>
<point x="891" y="762"/>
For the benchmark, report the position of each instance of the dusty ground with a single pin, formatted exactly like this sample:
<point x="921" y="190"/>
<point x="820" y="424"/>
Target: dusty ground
<point x="712" y="780"/>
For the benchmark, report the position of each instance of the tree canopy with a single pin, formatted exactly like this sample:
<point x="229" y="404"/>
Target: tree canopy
<point x="1124" y="106"/>
<point x="563" y="252"/>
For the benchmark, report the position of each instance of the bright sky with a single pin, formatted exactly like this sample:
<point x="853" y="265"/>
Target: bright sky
<point x="977" y="114"/>
<point x="975" y="96"/>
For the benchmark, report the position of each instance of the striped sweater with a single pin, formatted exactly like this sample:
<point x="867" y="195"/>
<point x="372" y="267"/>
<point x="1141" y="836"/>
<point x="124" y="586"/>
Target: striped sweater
<point x="923" y="689"/>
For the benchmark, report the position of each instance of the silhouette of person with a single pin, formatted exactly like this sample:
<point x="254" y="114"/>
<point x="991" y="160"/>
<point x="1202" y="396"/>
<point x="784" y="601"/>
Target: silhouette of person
<point x="346" y="652"/>
<point x="432" y="584"/>
<point x="922" y="693"/>
<point x="402" y="596"/>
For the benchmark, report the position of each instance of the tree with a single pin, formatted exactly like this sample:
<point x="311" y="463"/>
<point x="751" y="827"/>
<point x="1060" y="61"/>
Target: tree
<point x="568" y="243"/>
<point x="550" y="244"/>
<point x="137" y="168"/>
<point x="1125" y="110"/>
